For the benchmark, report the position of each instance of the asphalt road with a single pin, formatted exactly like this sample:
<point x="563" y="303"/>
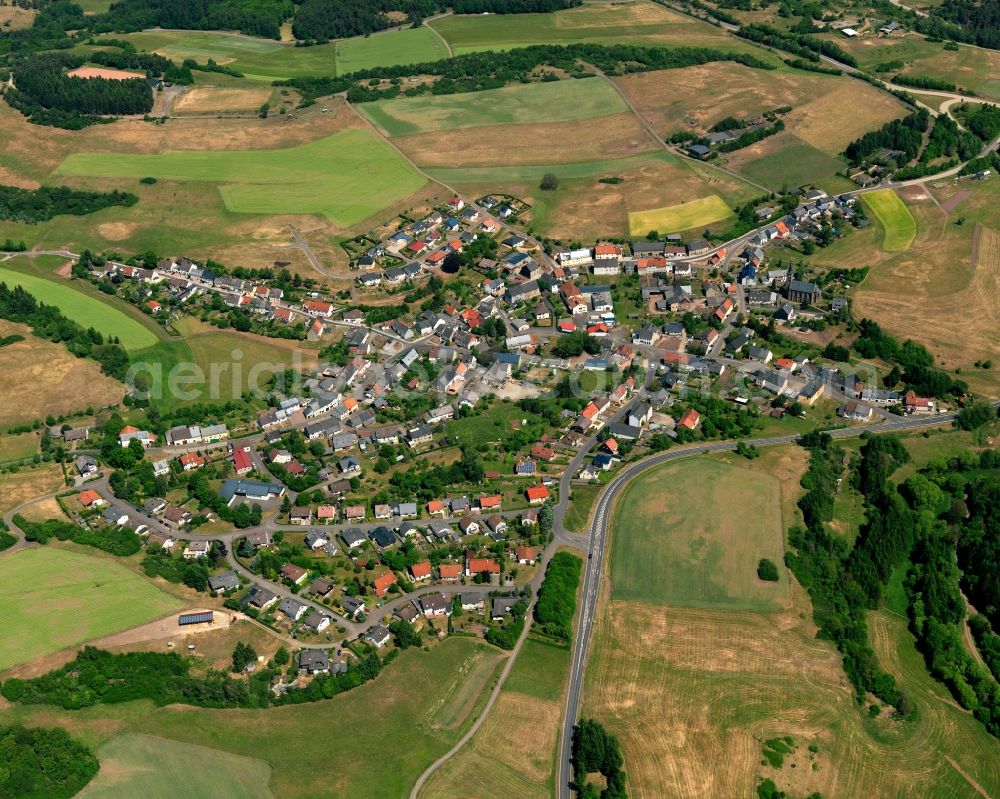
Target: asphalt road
<point x="598" y="545"/>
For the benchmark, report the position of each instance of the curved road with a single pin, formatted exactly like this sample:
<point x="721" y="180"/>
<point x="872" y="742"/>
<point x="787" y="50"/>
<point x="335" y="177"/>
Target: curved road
<point x="598" y="544"/>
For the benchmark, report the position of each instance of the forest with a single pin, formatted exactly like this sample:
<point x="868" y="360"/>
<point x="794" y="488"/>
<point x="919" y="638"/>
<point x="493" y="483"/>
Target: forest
<point x="40" y="205"/>
<point x="252" y="17"/>
<point x="43" y="763"/>
<point x="48" y="96"/>
<point x="966" y="21"/>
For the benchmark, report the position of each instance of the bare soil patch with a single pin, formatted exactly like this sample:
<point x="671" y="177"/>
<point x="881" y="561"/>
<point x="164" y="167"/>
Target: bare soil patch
<point x="117" y="231"/>
<point x="914" y="193"/>
<point x="956" y="200"/>
<point x="103" y="72"/>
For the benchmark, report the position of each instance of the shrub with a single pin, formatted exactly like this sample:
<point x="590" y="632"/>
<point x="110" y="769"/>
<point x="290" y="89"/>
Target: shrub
<point x="766" y="570"/>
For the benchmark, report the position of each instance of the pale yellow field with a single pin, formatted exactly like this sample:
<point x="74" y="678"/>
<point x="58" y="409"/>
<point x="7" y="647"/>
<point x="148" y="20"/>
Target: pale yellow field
<point x="685" y="216"/>
<point x="204" y="100"/>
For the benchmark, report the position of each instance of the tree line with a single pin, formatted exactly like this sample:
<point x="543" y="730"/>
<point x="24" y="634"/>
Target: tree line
<point x="40" y="205"/>
<point x="96" y="676"/>
<point x="118" y="541"/>
<point x="904" y="135"/>
<point x="492" y="70"/>
<point x="802" y="45"/>
<point x="556" y="604"/>
<point x="915" y="361"/>
<point x="47" y="321"/>
<point x="252" y="17"/>
<point x="820" y="561"/>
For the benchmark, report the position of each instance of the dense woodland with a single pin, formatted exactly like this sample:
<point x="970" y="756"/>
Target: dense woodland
<point x="40" y="205"/>
<point x="964" y="21"/>
<point x="42" y="763"/>
<point x="252" y="17"/>
<point x="904" y="135"/>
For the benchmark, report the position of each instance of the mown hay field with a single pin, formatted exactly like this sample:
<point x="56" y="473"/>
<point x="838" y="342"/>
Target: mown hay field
<point x="61" y="383"/>
<point x="346" y="177"/>
<point x="514" y="752"/>
<point x="554" y="101"/>
<point x="212" y="100"/>
<point x="409" y="46"/>
<point x="687" y="689"/>
<point x="694" y="534"/>
<point x="56" y="599"/>
<point x="147" y="767"/>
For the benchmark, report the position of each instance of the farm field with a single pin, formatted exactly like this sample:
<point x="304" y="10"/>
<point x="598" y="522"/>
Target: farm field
<point x="15" y="448"/>
<point x="584" y="208"/>
<point x="80" y="307"/>
<point x="243" y="361"/>
<point x="603" y="23"/>
<point x="347" y="177"/>
<point x="686" y="216"/>
<point x="22" y="486"/>
<point x="556" y="101"/>
<point x="262" y="60"/>
<point x="410" y="46"/>
<point x="898" y="225"/>
<point x="610" y="137"/>
<point x="972" y="68"/>
<point x="785" y="161"/>
<point x="155" y="768"/>
<point x="513" y="753"/>
<point x="57" y="599"/>
<point x="686" y="689"/>
<point x="950" y="272"/>
<point x="669" y="550"/>
<point x="223" y="99"/>
<point x="62" y="382"/>
<point x="423" y="702"/>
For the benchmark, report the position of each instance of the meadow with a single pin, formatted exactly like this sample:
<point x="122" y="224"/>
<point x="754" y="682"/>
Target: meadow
<point x="57" y="599"/>
<point x="556" y="101"/>
<point x="346" y="177"/>
<point x="602" y="22"/>
<point x="672" y="550"/>
<point x="950" y="272"/>
<point x="685" y="216"/>
<point x="22" y="486"/>
<point x="898" y="225"/>
<point x="265" y="60"/>
<point x="15" y="448"/>
<point x="972" y="68"/>
<point x="147" y="767"/>
<point x="513" y="753"/>
<point x="581" y="505"/>
<point x="80" y="307"/>
<point x="421" y="704"/>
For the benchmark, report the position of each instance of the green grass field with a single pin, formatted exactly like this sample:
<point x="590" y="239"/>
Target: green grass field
<point x="268" y="60"/>
<point x="395" y="726"/>
<point x="346" y="177"/>
<point x="82" y="308"/>
<point x="898" y="225"/>
<point x="685" y="216"/>
<point x="144" y="767"/>
<point x="529" y="173"/>
<point x="55" y="599"/>
<point x="792" y="162"/>
<point x="15" y="448"/>
<point x="557" y="101"/>
<point x="409" y="46"/>
<point x="581" y="503"/>
<point x="624" y="23"/>
<point x="670" y="549"/>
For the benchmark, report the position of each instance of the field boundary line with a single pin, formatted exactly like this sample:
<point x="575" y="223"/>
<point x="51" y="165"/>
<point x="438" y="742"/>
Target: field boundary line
<point x="436" y="32"/>
<point x="978" y="788"/>
<point x="487" y="708"/>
